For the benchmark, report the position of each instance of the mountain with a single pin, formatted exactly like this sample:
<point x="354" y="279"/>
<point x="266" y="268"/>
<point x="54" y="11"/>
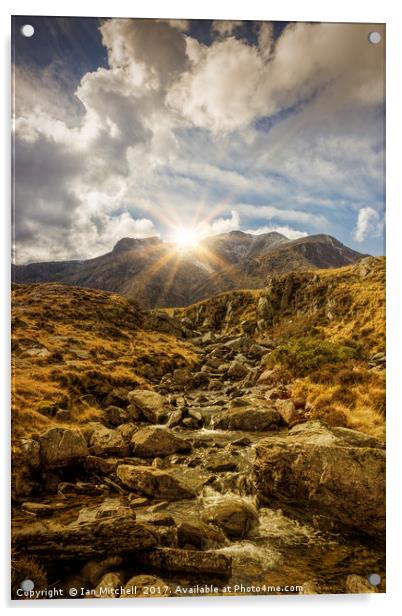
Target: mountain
<point x="158" y="274"/>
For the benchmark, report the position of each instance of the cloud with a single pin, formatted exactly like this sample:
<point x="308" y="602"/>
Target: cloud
<point x="234" y="83"/>
<point x="225" y="28"/>
<point x="222" y="225"/>
<point x="291" y="234"/>
<point x="368" y="224"/>
<point x="172" y="126"/>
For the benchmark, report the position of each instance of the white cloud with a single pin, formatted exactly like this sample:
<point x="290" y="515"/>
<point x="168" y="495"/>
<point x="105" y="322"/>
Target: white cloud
<point x="291" y="234"/>
<point x="234" y="83"/>
<point x="368" y="224"/>
<point x="169" y="127"/>
<point x="223" y="225"/>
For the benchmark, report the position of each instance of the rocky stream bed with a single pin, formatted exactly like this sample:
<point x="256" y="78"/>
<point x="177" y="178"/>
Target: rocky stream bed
<point x="215" y="480"/>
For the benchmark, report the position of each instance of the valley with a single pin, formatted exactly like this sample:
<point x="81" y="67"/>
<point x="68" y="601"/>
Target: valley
<point x="236" y="441"/>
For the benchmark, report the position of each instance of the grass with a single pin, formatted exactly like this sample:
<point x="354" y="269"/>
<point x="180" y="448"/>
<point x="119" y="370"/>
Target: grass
<point x="334" y="322"/>
<point x="80" y="350"/>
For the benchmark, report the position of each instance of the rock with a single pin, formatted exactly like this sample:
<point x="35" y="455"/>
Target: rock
<point x="237" y="370"/>
<point x="266" y="377"/>
<point x="287" y="410"/>
<point x="159" y="321"/>
<point x="265" y="311"/>
<point x="107" y="587"/>
<point x="182" y="376"/>
<point x="30" y="450"/>
<point x="199" y="535"/>
<point x="110" y="507"/>
<point x="248" y="326"/>
<point x="156" y="441"/>
<point x="153" y="482"/>
<point x="115" y="416"/>
<point x="117" y="397"/>
<point x="195" y="415"/>
<point x="93" y="571"/>
<point x="157" y="518"/>
<point x="234" y="516"/>
<point x="80" y="487"/>
<point x="174" y="418"/>
<point x="40" y="510"/>
<point x="188" y="561"/>
<point x="242" y="442"/>
<point x="127" y="430"/>
<point x="105" y="466"/>
<point x="145" y="586"/>
<point x="107" y="442"/>
<point x="61" y="447"/>
<point x="252" y="419"/>
<point x="257" y="351"/>
<point x="334" y="473"/>
<point x="208" y="338"/>
<point x="52" y="541"/>
<point x="200" y="379"/>
<point x="358" y="585"/>
<point x="150" y="403"/>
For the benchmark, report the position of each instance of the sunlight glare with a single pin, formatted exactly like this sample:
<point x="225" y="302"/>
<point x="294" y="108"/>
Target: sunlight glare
<point x="186" y="239"/>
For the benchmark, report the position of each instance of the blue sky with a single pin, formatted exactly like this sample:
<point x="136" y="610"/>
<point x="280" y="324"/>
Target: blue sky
<point x="140" y="127"/>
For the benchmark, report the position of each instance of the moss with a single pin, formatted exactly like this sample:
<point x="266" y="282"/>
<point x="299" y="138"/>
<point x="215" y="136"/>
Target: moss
<point x="306" y="354"/>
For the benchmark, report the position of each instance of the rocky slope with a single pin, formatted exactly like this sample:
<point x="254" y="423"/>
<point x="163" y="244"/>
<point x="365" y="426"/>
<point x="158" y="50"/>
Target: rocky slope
<point x="158" y="274"/>
<point x="201" y="466"/>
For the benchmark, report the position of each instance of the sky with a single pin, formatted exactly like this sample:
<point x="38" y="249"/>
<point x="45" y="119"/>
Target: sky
<point x="137" y="128"/>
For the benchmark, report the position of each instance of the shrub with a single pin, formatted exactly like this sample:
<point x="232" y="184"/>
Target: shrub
<point x="305" y="355"/>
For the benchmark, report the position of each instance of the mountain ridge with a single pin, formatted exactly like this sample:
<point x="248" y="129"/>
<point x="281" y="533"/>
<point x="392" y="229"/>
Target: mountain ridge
<point x="157" y="273"/>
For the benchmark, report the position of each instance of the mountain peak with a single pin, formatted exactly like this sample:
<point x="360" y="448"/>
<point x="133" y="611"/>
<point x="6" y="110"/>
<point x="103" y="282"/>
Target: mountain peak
<point x="131" y="243"/>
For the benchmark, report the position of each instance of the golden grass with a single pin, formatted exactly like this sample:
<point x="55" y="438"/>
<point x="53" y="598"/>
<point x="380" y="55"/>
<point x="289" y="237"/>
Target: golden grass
<point x="350" y="395"/>
<point x="68" y="343"/>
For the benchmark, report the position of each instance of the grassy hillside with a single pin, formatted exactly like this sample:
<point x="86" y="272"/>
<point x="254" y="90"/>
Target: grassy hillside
<point x="326" y="326"/>
<point x="75" y="349"/>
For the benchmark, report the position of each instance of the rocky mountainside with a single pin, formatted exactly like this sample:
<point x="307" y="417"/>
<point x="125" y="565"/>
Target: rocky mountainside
<point x="159" y="274"/>
<point x="169" y="450"/>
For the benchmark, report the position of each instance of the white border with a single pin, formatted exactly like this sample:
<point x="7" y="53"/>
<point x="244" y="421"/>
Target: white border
<point x="387" y="11"/>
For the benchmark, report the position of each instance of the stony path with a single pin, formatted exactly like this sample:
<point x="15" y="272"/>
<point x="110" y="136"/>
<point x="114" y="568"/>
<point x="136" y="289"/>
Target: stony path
<point x="176" y="489"/>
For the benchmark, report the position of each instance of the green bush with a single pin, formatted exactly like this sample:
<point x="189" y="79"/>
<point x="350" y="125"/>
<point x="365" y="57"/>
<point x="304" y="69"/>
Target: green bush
<point x="305" y="355"/>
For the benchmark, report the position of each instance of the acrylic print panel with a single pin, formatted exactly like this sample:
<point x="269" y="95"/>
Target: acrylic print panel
<point x="198" y="308"/>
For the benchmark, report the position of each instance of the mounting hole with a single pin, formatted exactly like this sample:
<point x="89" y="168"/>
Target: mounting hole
<point x="27" y="30"/>
<point x="27" y="585"/>
<point x="374" y="38"/>
<point x="374" y="579"/>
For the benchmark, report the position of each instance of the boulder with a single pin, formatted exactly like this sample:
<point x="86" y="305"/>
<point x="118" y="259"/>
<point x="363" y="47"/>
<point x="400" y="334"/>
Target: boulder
<point x="252" y="419"/>
<point x="62" y="447"/>
<point x="115" y="416"/>
<point x="336" y="475"/>
<point x="356" y="584"/>
<point x="30" y="451"/>
<point x="145" y="586"/>
<point x="174" y="418"/>
<point x="150" y="403"/>
<point x="288" y="412"/>
<point x="107" y="442"/>
<point x="153" y="482"/>
<point x="199" y="535"/>
<point x="107" y="587"/>
<point x="182" y="377"/>
<point x="54" y="541"/>
<point x="187" y="561"/>
<point x="155" y="441"/>
<point x="237" y="370"/>
<point x="234" y="516"/>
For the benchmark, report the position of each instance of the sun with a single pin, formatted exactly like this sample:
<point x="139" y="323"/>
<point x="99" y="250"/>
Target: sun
<point x="186" y="238"/>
